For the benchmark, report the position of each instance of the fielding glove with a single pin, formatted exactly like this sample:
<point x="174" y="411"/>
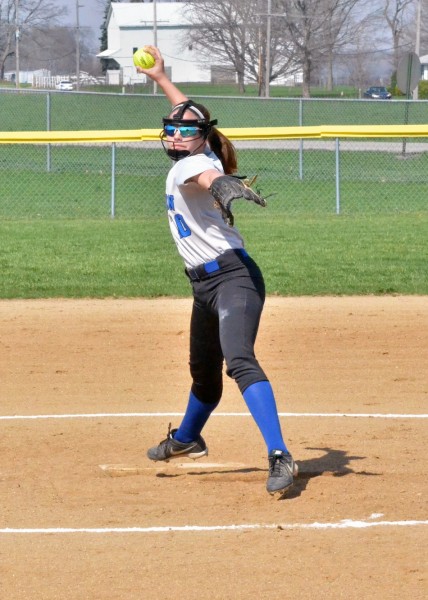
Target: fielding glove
<point x="227" y="188"/>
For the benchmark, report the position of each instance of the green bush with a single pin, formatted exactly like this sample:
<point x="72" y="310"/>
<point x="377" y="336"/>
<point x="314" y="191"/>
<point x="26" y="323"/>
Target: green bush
<point x="393" y="88"/>
<point x="423" y="90"/>
<point x="395" y="91"/>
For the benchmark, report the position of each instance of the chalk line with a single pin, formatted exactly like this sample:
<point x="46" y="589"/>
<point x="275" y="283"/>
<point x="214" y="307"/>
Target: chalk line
<point x="122" y="470"/>
<point x="343" y="524"/>
<point x="220" y="414"/>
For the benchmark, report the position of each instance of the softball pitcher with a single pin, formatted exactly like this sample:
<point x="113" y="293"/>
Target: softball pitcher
<point x="228" y="287"/>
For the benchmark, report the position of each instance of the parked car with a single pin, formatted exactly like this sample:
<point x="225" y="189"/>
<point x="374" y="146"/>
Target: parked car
<point x="378" y="93"/>
<point x="64" y="85"/>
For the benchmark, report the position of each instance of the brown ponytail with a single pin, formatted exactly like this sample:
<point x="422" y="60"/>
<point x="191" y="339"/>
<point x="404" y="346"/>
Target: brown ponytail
<point x="224" y="149"/>
<point x="220" y="144"/>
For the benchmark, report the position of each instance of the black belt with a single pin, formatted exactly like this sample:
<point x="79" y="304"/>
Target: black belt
<point x="204" y="270"/>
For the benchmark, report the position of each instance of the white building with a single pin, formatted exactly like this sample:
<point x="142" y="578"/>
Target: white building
<point x="424" y="67"/>
<point x="163" y="24"/>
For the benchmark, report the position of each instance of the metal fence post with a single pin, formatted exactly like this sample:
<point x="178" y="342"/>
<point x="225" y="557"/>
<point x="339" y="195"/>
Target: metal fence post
<point x="48" y="128"/>
<point x="301" y="140"/>
<point x="113" y="180"/>
<point x="337" y="176"/>
<point x="406" y="122"/>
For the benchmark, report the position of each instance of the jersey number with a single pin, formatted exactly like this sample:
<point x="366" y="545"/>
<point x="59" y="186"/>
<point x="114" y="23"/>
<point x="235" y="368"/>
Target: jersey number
<point x="183" y="228"/>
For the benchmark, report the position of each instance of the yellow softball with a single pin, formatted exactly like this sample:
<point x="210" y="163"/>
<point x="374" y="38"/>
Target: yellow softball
<point x="143" y="59"/>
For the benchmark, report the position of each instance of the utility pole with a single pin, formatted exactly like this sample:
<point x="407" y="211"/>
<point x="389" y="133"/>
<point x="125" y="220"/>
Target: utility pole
<point x="77" y="46"/>
<point x="17" y="34"/>
<point x="155" y="38"/>
<point x="418" y="42"/>
<point x="268" y="39"/>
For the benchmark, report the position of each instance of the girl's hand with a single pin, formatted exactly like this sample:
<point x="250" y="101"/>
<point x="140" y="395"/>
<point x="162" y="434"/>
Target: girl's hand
<point x="157" y="73"/>
<point x="158" y="68"/>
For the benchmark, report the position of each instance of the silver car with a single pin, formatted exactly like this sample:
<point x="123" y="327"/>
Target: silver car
<point x="64" y="85"/>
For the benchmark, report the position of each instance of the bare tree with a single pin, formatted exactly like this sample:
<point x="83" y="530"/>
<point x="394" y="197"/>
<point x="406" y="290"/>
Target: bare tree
<point x="321" y="30"/>
<point x="424" y="28"/>
<point x="54" y="49"/>
<point x="304" y="24"/>
<point x="20" y="16"/>
<point x="337" y="31"/>
<point x="302" y="34"/>
<point x="396" y="13"/>
<point x="409" y="31"/>
<point x="234" y="31"/>
<point x="357" y="58"/>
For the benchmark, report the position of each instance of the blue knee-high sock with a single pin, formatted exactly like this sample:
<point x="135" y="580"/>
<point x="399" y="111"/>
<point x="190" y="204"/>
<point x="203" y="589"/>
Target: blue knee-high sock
<point x="196" y="415"/>
<point x="262" y="406"/>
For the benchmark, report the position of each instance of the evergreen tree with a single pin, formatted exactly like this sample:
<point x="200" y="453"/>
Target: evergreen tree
<point x="106" y="63"/>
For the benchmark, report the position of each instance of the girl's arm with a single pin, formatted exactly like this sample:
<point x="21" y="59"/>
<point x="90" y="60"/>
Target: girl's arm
<point x="206" y="178"/>
<point x="157" y="73"/>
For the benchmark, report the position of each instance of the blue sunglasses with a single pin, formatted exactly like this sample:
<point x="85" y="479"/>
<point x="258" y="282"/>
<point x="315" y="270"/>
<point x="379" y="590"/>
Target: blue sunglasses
<point x="184" y="131"/>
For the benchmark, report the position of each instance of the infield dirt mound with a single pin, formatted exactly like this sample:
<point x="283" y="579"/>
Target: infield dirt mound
<point x="323" y="355"/>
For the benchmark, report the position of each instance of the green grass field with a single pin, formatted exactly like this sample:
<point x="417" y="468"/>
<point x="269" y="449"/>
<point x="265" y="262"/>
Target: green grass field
<point x="132" y="258"/>
<point x="57" y="240"/>
<point x="28" y="111"/>
<point x="229" y="89"/>
<point x="78" y="184"/>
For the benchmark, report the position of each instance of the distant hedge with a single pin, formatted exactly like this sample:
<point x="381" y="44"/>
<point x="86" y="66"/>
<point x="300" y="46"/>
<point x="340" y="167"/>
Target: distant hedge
<point x="423" y="90"/>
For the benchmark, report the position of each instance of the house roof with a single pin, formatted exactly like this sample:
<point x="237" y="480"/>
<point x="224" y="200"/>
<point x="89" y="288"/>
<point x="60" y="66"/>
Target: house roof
<point x="108" y="53"/>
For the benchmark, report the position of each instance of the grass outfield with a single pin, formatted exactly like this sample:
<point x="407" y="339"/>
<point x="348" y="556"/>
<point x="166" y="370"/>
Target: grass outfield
<point x="377" y="245"/>
<point x="137" y="258"/>
<point x="79" y="183"/>
<point x="89" y="111"/>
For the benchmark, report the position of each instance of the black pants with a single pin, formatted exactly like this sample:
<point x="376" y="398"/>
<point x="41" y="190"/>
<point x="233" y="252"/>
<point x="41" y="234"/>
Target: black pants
<point x="225" y="319"/>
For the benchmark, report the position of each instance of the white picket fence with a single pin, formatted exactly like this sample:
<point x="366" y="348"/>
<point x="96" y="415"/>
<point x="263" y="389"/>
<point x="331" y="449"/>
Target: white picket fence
<point x="47" y="82"/>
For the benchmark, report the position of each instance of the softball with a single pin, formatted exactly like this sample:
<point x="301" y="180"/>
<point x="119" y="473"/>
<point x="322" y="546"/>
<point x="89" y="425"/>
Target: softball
<point x="143" y="59"/>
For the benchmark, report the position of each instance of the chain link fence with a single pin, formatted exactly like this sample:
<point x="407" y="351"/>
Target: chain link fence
<point x="127" y="180"/>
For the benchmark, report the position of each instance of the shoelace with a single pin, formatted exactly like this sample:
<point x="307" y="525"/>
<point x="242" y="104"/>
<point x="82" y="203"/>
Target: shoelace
<point x="275" y="463"/>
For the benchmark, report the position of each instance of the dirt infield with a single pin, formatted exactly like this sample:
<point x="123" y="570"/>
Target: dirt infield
<point x="84" y="515"/>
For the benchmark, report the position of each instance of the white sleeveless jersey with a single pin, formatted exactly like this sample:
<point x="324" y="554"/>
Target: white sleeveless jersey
<point x="196" y="225"/>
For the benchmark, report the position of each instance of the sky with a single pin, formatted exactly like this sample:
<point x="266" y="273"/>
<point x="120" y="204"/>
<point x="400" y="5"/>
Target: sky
<point x="91" y="14"/>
